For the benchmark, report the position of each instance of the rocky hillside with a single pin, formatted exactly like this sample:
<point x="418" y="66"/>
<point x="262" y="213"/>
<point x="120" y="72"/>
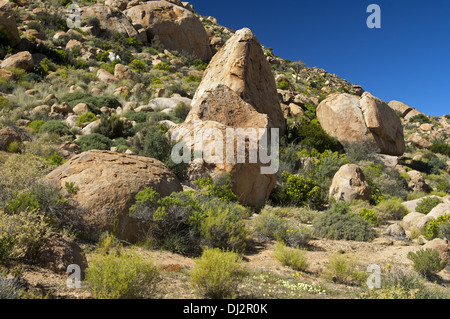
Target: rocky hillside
<point x="90" y="114"/>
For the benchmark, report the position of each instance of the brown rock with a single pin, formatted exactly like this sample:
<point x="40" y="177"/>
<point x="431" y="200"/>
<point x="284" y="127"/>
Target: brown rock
<point x="22" y="60"/>
<point x="442" y="246"/>
<point x="415" y="220"/>
<point x="64" y="108"/>
<point x="105" y="76"/>
<point x="108" y="183"/>
<point x="349" y="184"/>
<point x="8" y="23"/>
<point x="57" y="252"/>
<point x="8" y="136"/>
<point x="351" y="119"/>
<point x="177" y="28"/>
<point x="112" y="20"/>
<point x="81" y="108"/>
<point x="241" y="66"/>
<point x="121" y="72"/>
<point x="400" y="107"/>
<point x="417" y="182"/>
<point x="419" y="140"/>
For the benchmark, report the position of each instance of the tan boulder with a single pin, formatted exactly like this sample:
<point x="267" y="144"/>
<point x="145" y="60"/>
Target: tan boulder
<point x="8" y="136"/>
<point x="176" y="27"/>
<point x="419" y="140"/>
<point x="417" y="182"/>
<point x="400" y="107"/>
<point x="241" y="65"/>
<point x="63" y="108"/>
<point x="105" y="76"/>
<point x="112" y="20"/>
<point x="248" y="182"/>
<point x="121" y="72"/>
<point x="353" y="119"/>
<point x="81" y="108"/>
<point x="107" y="184"/>
<point x="8" y="24"/>
<point x="416" y="221"/>
<point x="440" y="210"/>
<point x="442" y="246"/>
<point x="22" y="60"/>
<point x="349" y="184"/>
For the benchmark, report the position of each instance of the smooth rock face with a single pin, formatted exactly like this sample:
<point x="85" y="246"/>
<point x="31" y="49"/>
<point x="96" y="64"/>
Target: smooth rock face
<point x="177" y="28"/>
<point x="224" y="105"/>
<point x="248" y="183"/>
<point x="440" y="210"/>
<point x="22" y="60"/>
<point x="351" y="119"/>
<point x="8" y="23"/>
<point x="349" y="184"/>
<point x="111" y="19"/>
<point x="108" y="183"/>
<point x="416" y="220"/>
<point x="242" y="66"/>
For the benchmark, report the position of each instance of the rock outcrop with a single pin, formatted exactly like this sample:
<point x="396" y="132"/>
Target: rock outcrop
<point x="107" y="184"/>
<point x="8" y="136"/>
<point x="352" y="119"/>
<point x="175" y="27"/>
<point x="22" y="60"/>
<point x="349" y="183"/>
<point x="8" y="26"/>
<point x="241" y="65"/>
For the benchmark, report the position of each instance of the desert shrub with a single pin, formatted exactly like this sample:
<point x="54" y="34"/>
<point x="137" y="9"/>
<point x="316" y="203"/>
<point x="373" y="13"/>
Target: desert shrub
<point x="391" y="208"/>
<point x="283" y="85"/>
<point x="162" y="66"/>
<point x="427" y="204"/>
<point x="441" y="148"/>
<point x="217" y="274"/>
<point x="111" y="127"/>
<point x="193" y="78"/>
<point x="93" y="102"/>
<point x="93" y="141"/>
<point x="222" y="226"/>
<point x="5" y="104"/>
<point x="55" y="127"/>
<point x="271" y="226"/>
<point x="26" y="229"/>
<point x="340" y="224"/>
<point x="303" y="215"/>
<point x="86" y="117"/>
<point x="343" y="269"/>
<point x="137" y="117"/>
<point x="427" y="262"/>
<point x="301" y="191"/>
<point x="220" y="187"/>
<point x="399" y="285"/>
<point x="6" y="246"/>
<point x="291" y="257"/>
<point x="369" y="215"/>
<point x="168" y="220"/>
<point x="9" y="288"/>
<point x="310" y="135"/>
<point x="137" y="65"/>
<point x="438" y="227"/>
<point x="181" y="111"/>
<point x="419" y="118"/>
<point x="120" y="274"/>
<point x="36" y="125"/>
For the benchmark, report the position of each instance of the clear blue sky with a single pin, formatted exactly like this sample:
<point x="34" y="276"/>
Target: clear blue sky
<point x="408" y="59"/>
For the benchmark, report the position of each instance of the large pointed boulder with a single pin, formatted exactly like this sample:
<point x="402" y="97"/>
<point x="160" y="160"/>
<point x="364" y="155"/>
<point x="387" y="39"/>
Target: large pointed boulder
<point x="241" y="65"/>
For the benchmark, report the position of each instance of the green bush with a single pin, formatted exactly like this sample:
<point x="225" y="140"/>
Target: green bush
<point x="427" y="262"/>
<point x="218" y="188"/>
<point x="340" y="224"/>
<point x="111" y="127"/>
<point x="310" y="135"/>
<point x="6" y="246"/>
<point x="9" y="288"/>
<point x="94" y="141"/>
<point x="181" y="111"/>
<point x="162" y="66"/>
<point x="36" y="125"/>
<point x="120" y="274"/>
<point x="291" y="257"/>
<point x="87" y="117"/>
<point x="301" y="191"/>
<point x="137" y="65"/>
<point x="438" y="227"/>
<point x="369" y="215"/>
<point x="283" y="85"/>
<point x="427" y="204"/>
<point x="55" y="127"/>
<point x="217" y="274"/>
<point x="441" y="148"/>
<point x="288" y="231"/>
<point x="222" y="226"/>
<point x="421" y="118"/>
<point x="343" y="269"/>
<point x="391" y="209"/>
<point x="5" y="104"/>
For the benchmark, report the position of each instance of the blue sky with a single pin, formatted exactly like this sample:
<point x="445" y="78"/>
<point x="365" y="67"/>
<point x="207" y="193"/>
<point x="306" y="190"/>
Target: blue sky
<point x="407" y="59"/>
